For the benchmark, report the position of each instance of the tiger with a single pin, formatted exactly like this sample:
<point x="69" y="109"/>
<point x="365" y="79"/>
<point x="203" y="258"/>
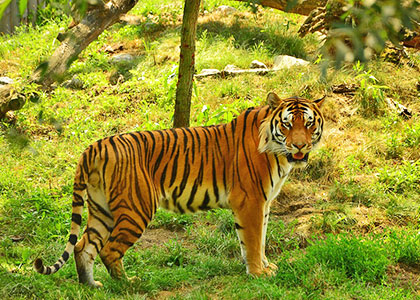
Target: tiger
<point x="241" y="165"/>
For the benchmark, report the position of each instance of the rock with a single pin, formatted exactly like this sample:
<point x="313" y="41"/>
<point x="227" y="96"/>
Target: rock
<point x="286" y="61"/>
<point x="255" y="64"/>
<point x="226" y="10"/>
<point x="113" y="48"/>
<point x="75" y="83"/>
<point x="122" y="58"/>
<point x="5" y="80"/>
<point x="230" y="68"/>
<point x="208" y="72"/>
<point x="399" y="108"/>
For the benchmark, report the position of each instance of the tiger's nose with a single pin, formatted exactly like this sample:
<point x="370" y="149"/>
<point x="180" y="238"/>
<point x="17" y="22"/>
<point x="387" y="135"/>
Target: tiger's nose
<point x="299" y="146"/>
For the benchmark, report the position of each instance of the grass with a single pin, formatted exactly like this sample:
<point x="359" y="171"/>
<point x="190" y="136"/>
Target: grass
<point x="346" y="227"/>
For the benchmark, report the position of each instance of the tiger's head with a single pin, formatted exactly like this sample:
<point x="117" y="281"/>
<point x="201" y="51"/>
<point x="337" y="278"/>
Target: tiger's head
<point x="292" y="129"/>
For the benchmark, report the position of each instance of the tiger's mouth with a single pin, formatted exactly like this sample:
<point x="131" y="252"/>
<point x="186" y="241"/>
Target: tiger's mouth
<point x="298" y="157"/>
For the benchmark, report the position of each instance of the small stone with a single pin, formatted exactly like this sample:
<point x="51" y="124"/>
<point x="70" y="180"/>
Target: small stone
<point x="226" y="10"/>
<point x="5" y="80"/>
<point x="255" y="64"/>
<point x="286" y="61"/>
<point x="230" y="68"/>
<point x="122" y="58"/>
<point x="208" y="72"/>
<point x="75" y="83"/>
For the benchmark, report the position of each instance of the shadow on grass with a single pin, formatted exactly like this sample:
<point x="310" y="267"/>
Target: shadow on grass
<point x="250" y="37"/>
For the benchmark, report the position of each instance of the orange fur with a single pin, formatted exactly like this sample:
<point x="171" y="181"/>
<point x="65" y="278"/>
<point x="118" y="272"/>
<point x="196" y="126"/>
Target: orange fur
<point x="240" y="165"/>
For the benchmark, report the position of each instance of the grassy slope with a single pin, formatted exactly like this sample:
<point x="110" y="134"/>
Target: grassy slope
<point x="364" y="179"/>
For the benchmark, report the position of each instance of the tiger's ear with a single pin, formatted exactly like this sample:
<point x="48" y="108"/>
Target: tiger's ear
<point x="319" y="101"/>
<point x="273" y="100"/>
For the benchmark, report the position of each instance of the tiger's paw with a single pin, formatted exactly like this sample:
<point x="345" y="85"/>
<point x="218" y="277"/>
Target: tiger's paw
<point x="272" y="267"/>
<point x="264" y="271"/>
<point x="270" y="271"/>
<point x="269" y="265"/>
<point x="94" y="284"/>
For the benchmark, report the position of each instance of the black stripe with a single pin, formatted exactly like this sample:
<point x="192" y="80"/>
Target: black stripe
<point x="159" y="158"/>
<point x="79" y="186"/>
<point x="192" y="195"/>
<point x="106" y="159"/>
<point x="226" y="137"/>
<point x="262" y="189"/>
<point x="65" y="256"/>
<point x="192" y="143"/>
<point x="73" y="239"/>
<point x="197" y="137"/>
<point x="174" y="146"/>
<point x="100" y="219"/>
<point x="205" y="204"/>
<point x="162" y="181"/>
<point x="186" y="174"/>
<point x="132" y="232"/>
<point x="90" y="151"/>
<point x="180" y="209"/>
<point x="174" y="169"/>
<point x="76" y="218"/>
<point x="85" y="166"/>
<point x="206" y="146"/>
<point x="215" y="187"/>
<point x="99" y="208"/>
<point x="238" y="227"/>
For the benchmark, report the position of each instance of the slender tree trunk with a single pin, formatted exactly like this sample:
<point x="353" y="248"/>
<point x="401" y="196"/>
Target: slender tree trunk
<point x="186" y="64"/>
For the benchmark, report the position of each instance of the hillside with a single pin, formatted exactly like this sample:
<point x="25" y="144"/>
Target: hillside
<point x="345" y="227"/>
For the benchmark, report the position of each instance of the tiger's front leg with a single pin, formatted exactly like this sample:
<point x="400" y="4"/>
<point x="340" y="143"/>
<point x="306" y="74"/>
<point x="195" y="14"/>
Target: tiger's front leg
<point x="265" y="261"/>
<point x="249" y="224"/>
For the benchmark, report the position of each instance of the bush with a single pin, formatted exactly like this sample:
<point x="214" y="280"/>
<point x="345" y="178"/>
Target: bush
<point x="361" y="259"/>
<point x="404" y="246"/>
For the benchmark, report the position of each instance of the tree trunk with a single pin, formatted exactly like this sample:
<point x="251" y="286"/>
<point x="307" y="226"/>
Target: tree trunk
<point x="186" y="64"/>
<point x="76" y="39"/>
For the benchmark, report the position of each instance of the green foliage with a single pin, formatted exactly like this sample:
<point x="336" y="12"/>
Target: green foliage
<point x="351" y="192"/>
<point x="404" y="246"/>
<point x="223" y="219"/>
<point x="170" y="220"/>
<point x="333" y="221"/>
<point x="224" y="113"/>
<point x="339" y="256"/>
<point x="366" y="26"/>
<point x="360" y="258"/>
<point x="176" y="253"/>
<point x="281" y="237"/>
<point x="371" y="93"/>
<point x="401" y="179"/>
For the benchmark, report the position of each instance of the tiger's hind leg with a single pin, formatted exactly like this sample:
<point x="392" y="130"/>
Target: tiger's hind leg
<point x="129" y="226"/>
<point x="98" y="228"/>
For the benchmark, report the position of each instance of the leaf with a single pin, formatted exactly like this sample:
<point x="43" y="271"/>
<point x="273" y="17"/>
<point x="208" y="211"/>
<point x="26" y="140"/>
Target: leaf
<point x="22" y="6"/>
<point x="3" y="5"/>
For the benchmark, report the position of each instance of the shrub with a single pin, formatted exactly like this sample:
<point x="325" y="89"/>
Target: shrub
<point x="360" y="259"/>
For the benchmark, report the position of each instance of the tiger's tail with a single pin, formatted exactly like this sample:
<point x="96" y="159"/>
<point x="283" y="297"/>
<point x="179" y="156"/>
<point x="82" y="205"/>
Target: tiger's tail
<point x="79" y="192"/>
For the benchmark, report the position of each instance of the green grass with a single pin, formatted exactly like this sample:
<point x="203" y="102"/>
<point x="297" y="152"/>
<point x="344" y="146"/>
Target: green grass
<point x="340" y="226"/>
